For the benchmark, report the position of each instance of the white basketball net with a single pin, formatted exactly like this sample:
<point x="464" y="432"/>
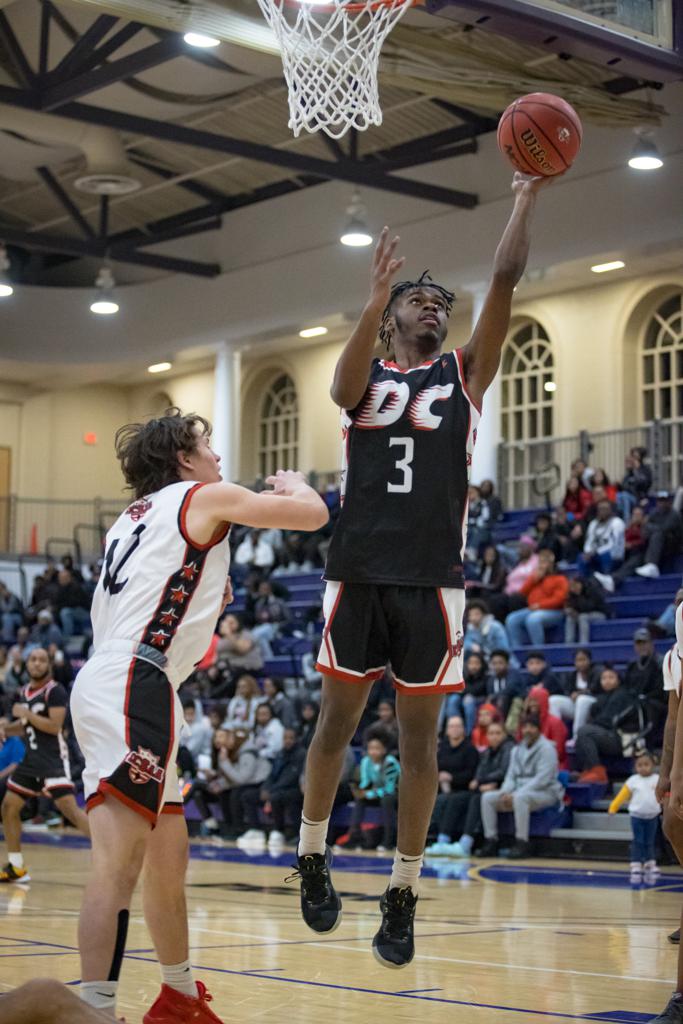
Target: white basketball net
<point x="330" y="53"/>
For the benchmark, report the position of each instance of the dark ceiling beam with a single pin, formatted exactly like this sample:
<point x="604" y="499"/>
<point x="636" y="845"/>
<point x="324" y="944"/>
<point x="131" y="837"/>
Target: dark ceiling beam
<point x="84" y="46"/>
<point x="137" y="239"/>
<point x="211" y="195"/>
<point x="101" y="248"/>
<point x="20" y="65"/>
<point x="333" y="146"/>
<point x="114" y="43"/>
<point x="108" y="74"/>
<point x="65" y="200"/>
<point x="478" y="121"/>
<point x="425" y="156"/>
<point x="44" y="45"/>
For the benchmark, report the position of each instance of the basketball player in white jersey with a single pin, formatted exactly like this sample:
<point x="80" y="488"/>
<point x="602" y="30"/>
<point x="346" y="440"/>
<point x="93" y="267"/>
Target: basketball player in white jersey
<point x="670" y="787"/>
<point x="162" y="588"/>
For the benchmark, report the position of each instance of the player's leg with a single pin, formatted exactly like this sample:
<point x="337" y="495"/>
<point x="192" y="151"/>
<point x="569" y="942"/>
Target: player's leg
<point x="673" y="830"/>
<point x="67" y="806"/>
<point x="14" y="871"/>
<point x="46" y="1001"/>
<point x="119" y="836"/>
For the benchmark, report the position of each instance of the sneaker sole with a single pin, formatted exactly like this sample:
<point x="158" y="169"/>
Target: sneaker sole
<point x="388" y="963"/>
<point x="328" y="931"/>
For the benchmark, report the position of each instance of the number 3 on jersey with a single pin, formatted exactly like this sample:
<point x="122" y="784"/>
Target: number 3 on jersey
<point x="404" y="465"/>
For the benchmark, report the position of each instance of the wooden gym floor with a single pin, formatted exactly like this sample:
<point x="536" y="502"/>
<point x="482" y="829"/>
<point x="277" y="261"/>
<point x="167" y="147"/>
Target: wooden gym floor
<point x="497" y="941"/>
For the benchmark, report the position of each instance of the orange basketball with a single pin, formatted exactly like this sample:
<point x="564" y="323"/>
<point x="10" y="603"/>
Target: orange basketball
<point x="540" y="134"/>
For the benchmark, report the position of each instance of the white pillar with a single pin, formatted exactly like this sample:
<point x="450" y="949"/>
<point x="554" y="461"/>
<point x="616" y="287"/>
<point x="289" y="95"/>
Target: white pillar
<point x="225" y="439"/>
<point x="485" y="459"/>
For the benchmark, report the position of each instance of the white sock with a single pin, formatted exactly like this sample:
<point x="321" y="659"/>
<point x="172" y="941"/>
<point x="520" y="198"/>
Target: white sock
<point x="312" y="836"/>
<point x="101" y="995"/>
<point x="405" y="872"/>
<point x="16" y="860"/>
<point x="179" y="977"/>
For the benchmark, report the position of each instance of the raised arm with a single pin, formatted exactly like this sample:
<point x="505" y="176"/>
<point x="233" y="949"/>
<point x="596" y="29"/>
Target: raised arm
<point x="353" y="368"/>
<point x="481" y="355"/>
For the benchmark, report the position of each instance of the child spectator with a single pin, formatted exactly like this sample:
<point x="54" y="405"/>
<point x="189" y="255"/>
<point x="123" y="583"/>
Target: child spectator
<point x="379" y="775"/>
<point x="268" y="735"/>
<point x="242" y="707"/>
<point x="644" y="810"/>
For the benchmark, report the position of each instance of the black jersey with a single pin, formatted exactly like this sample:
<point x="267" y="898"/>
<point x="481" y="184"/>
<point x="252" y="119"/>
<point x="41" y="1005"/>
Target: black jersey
<point x="46" y="753"/>
<point x="408" y="448"/>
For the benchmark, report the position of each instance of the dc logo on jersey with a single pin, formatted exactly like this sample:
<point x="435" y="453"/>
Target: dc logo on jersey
<point x="386" y="401"/>
<point x="138" y="509"/>
<point x="144" y="766"/>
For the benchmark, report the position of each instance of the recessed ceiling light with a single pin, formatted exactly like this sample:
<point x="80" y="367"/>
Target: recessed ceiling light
<point x="159" y="367"/>
<point x="312" y="332"/>
<point x="104" y="307"/>
<point x="602" y="268"/>
<point x="6" y="290"/>
<point x="197" y="39"/>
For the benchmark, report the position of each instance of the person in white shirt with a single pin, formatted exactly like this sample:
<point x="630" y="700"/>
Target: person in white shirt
<point x="255" y="550"/>
<point x="605" y="541"/>
<point x="644" y="810"/>
<point x="242" y="707"/>
<point x="269" y="732"/>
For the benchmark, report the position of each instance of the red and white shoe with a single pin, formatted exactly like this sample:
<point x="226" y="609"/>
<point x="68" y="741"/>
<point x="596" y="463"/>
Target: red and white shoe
<point x="172" y="1007"/>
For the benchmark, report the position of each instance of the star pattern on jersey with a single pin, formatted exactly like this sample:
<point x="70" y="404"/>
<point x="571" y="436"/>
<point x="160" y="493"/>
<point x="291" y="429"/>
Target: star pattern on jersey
<point x="189" y="571"/>
<point x="159" y="637"/>
<point x="168" y="617"/>
<point x="175" y="600"/>
<point x="179" y="594"/>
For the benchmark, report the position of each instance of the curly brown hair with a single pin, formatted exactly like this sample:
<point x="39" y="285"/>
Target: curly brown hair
<point x="148" y="452"/>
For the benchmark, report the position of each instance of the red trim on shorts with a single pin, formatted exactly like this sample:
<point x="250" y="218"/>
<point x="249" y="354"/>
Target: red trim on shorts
<point x="21" y="791"/>
<point x="346" y="677"/>
<point x="463" y="380"/>
<point x="126" y="702"/>
<point x="60" y="785"/>
<point x="449" y="642"/>
<point x="416" y="690"/>
<point x="219" y="534"/>
<point x="93" y="801"/>
<point x="171" y="743"/>
<point x="173" y="809"/>
<point x="328" y="624"/>
<point x="105" y="789"/>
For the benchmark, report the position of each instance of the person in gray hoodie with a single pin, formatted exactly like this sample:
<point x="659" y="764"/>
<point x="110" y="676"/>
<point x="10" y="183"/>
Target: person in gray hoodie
<point x="243" y="770"/>
<point x="530" y="784"/>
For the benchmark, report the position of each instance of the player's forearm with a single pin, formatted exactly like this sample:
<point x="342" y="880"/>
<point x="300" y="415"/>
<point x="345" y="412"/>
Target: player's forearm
<point x="14" y="729"/>
<point x="307" y="509"/>
<point x="43" y="724"/>
<point x="353" y="368"/>
<point x="513" y="249"/>
<point x="677" y="760"/>
<point x="668" y="746"/>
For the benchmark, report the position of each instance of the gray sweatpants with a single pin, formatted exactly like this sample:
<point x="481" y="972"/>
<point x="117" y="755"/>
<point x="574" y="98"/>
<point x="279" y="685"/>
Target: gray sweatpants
<point x="523" y="803"/>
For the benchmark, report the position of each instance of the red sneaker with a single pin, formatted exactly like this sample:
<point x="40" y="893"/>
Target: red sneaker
<point x="172" y="1007"/>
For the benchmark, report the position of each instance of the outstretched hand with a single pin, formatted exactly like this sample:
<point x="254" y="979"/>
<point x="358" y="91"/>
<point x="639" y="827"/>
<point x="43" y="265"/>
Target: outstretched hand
<point x="384" y="266"/>
<point x="285" y="482"/>
<point x="530" y="184"/>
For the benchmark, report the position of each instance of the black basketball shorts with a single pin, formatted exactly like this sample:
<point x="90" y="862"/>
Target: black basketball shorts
<point x="25" y="783"/>
<point x="416" y="630"/>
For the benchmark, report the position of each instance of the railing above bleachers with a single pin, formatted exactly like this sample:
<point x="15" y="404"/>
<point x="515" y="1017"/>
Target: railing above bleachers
<point x="56" y="527"/>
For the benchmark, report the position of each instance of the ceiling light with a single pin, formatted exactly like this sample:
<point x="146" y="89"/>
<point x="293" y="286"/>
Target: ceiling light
<point x="105" y="304"/>
<point x="645" y="155"/>
<point x="203" y="42"/>
<point x="550" y="385"/>
<point x="6" y="288"/>
<point x="159" y="367"/>
<point x="602" y="268"/>
<point x="312" y="332"/>
<point x="356" y="232"/>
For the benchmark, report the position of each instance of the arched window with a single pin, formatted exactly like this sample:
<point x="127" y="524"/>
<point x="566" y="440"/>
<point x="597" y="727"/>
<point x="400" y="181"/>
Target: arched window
<point x="527" y="385"/>
<point x="662" y="362"/>
<point x="279" y="427"/>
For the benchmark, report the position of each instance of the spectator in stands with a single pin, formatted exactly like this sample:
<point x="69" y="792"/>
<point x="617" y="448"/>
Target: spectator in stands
<point x="244" y="772"/>
<point x="310" y="711"/>
<point x="552" y="727"/>
<point x="577" y="498"/>
<point x="62" y="670"/>
<point x="603" y="549"/>
<point x="270" y="612"/>
<point x="255" y="551"/>
<point x="474" y="694"/>
<point x="503" y="683"/>
<point x="511" y="598"/>
<point x="43" y="594"/>
<point x="196" y="737"/>
<point x="583" y="471"/>
<point x="570" y="535"/>
<point x="4" y="664"/>
<point x="540" y="673"/>
<point x="636" y="482"/>
<point x="585" y="604"/>
<point x="643" y="677"/>
<point x="281" y="792"/>
<point x="530" y="784"/>
<point x="644" y="811"/>
<point x="216" y="716"/>
<point x="599" y="737"/>
<point x="72" y="604"/>
<point x="11" y="754"/>
<point x="242" y="707"/>
<point x="70" y="566"/>
<point x="486" y="714"/>
<point x="268" y="735"/>
<point x="457" y="761"/>
<point x="378" y="785"/>
<point x="546" y="537"/>
<point x="663" y="535"/>
<point x="461" y="814"/>
<point x="600" y="479"/>
<point x="282" y="707"/>
<point x="387" y="723"/>
<point x="546" y="594"/>
<point x="300" y="552"/>
<point x="237" y="646"/>
<point x="11" y="614"/>
<point x="487" y="493"/>
<point x="491" y="574"/>
<point x="45" y="631"/>
<point x="478" y="523"/>
<point x="16" y="675"/>
<point x="483" y="632"/>
<point x="579" y="690"/>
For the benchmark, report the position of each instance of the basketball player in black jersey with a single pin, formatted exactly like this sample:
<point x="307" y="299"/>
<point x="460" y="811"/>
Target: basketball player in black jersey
<point x="394" y="569"/>
<point x="39" y="716"/>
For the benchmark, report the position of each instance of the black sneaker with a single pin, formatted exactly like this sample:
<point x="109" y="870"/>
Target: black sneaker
<point x="675" y="937"/>
<point x="489" y="848"/>
<point x="519" y="850"/>
<point x="394" y="944"/>
<point x="320" y="904"/>
<point x="673" y="1014"/>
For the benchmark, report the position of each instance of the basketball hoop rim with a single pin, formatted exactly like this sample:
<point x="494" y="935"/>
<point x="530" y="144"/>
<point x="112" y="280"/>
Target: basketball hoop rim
<point x="352" y="6"/>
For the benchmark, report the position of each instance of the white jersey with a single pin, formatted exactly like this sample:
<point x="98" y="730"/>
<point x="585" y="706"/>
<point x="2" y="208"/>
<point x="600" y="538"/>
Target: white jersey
<point x="158" y="587"/>
<point x="671" y="666"/>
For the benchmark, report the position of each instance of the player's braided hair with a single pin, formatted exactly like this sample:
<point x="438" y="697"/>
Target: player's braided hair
<point x="148" y="452"/>
<point x="424" y="280"/>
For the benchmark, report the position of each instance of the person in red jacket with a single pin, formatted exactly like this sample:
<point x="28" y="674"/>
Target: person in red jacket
<point x="577" y="498"/>
<point x="552" y="727"/>
<point x="546" y="593"/>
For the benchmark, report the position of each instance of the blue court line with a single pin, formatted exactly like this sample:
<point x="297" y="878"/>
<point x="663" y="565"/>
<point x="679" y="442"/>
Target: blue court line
<point x="7" y="956"/>
<point x="416" y="991"/>
<point x="39" y="942"/>
<point x="426" y="998"/>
